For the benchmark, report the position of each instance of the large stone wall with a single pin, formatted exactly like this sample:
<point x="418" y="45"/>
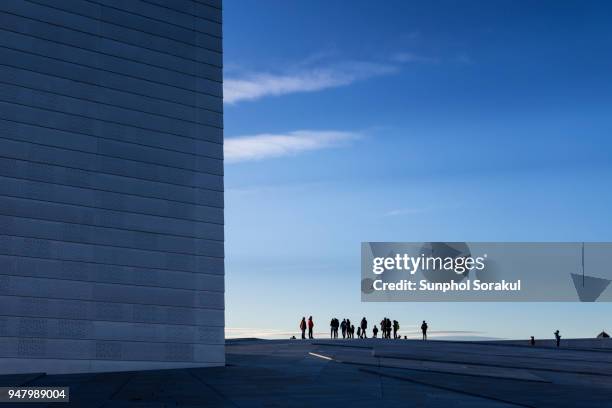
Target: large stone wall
<point x="111" y="185"/>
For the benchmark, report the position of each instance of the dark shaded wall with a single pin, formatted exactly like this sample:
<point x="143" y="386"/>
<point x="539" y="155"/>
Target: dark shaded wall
<point x="111" y="185"/>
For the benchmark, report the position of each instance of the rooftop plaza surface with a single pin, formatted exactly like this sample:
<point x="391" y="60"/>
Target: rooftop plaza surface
<point x="360" y="373"/>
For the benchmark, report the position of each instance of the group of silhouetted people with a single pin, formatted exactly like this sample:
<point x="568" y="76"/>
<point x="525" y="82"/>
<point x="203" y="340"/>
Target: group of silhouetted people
<point x="348" y="330"/>
<point x="386" y="327"/>
<point x="557" y="334"/>
<point x="309" y="325"/>
<point x="334" y="324"/>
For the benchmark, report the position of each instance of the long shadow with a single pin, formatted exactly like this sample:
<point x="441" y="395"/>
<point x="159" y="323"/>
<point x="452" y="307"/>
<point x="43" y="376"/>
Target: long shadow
<point x="483" y="364"/>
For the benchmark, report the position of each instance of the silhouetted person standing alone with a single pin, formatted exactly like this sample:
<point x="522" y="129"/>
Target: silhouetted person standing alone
<point x="310" y="326"/>
<point x="532" y="341"/>
<point x="364" y="326"/>
<point x="395" y="329"/>
<point x="303" y="327"/>
<point x="558" y="338"/>
<point x="424" y="329"/>
<point x="375" y="331"/>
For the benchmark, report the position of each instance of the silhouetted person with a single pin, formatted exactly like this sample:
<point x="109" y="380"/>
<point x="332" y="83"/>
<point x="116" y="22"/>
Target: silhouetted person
<point x="310" y="326"/>
<point x="395" y="328"/>
<point x="388" y="327"/>
<point x="303" y="327"/>
<point x="558" y="338"/>
<point x="343" y="328"/>
<point x="364" y="326"/>
<point x="532" y="341"/>
<point x="375" y="331"/>
<point x="334" y="328"/>
<point x="424" y="328"/>
<point x="359" y="332"/>
<point x="352" y="331"/>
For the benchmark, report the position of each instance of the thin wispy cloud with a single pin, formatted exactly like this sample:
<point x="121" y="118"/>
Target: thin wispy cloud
<point x="315" y="73"/>
<point x="424" y="209"/>
<point x="252" y="86"/>
<point x="269" y="145"/>
<point x="405" y="211"/>
<point x="407" y="57"/>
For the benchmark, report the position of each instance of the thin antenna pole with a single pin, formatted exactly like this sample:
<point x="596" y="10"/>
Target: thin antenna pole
<point x="583" y="264"/>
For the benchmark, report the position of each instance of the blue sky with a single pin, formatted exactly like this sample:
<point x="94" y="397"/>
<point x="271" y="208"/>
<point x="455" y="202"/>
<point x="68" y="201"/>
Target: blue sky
<point x="398" y="121"/>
